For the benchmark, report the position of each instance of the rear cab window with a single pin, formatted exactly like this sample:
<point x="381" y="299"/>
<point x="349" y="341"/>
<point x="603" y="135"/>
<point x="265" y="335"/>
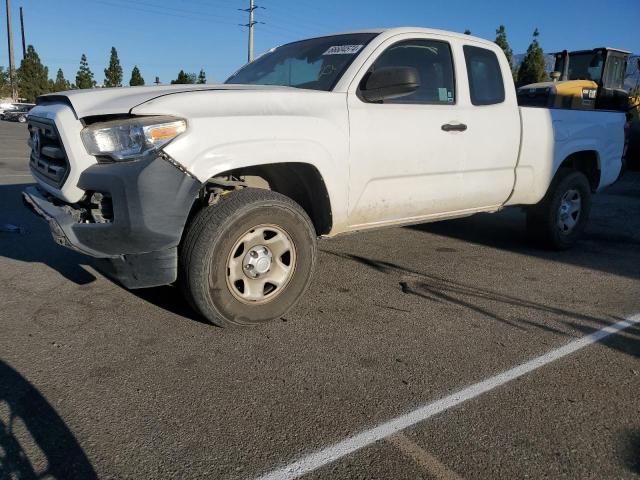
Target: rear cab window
<point x="486" y="85"/>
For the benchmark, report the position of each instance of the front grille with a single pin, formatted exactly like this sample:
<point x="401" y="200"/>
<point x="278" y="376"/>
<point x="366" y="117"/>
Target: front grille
<point x="48" y="160"/>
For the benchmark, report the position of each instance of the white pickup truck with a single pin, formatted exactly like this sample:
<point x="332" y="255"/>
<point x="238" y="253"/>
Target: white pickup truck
<point x="226" y="188"/>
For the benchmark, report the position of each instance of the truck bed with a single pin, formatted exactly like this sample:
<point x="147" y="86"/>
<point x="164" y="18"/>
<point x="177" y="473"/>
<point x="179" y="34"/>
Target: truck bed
<point x="555" y="133"/>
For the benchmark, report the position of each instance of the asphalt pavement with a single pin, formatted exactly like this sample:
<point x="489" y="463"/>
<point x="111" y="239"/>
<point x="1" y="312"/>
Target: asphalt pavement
<point x="403" y="323"/>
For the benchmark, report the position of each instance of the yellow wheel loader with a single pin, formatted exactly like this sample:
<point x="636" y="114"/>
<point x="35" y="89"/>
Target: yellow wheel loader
<point x="591" y="80"/>
<point x="582" y="80"/>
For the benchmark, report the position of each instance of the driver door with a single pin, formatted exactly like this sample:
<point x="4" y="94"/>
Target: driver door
<point x="405" y="163"/>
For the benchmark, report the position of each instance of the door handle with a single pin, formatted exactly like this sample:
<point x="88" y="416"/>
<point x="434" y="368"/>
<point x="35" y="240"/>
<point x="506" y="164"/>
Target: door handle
<point x="454" y="127"/>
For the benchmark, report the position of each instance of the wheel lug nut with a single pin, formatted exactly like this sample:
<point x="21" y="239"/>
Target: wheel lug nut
<point x="254" y="254"/>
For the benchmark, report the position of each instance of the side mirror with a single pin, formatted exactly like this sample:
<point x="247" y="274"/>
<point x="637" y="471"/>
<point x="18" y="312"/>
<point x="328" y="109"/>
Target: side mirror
<point x="390" y="82"/>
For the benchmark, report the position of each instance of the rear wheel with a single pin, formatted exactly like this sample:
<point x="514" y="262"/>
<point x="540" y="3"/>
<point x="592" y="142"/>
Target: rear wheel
<point x="248" y="259"/>
<point x="559" y="220"/>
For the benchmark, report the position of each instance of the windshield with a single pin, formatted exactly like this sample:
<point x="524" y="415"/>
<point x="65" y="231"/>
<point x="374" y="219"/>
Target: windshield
<point x="315" y="64"/>
<point x="584" y="66"/>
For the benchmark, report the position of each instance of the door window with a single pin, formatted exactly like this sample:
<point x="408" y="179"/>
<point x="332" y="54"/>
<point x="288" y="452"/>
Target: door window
<point x="485" y="77"/>
<point x="615" y="72"/>
<point x="433" y="62"/>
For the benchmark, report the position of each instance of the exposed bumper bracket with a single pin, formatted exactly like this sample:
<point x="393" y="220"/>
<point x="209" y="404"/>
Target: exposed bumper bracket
<point x="58" y="218"/>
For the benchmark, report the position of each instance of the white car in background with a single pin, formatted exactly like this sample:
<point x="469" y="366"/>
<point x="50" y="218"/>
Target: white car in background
<point x="8" y="107"/>
<point x="19" y="114"/>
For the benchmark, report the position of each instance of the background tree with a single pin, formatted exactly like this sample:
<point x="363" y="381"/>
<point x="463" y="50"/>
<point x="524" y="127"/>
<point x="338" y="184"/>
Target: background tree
<point x="467" y="32"/>
<point x="202" y="77"/>
<point x="184" y="78"/>
<point x="532" y="69"/>
<point x="84" y="77"/>
<point x="33" y="77"/>
<point x="136" y="77"/>
<point x="501" y="41"/>
<point x="5" y="86"/>
<point x="113" y="74"/>
<point x="60" y="84"/>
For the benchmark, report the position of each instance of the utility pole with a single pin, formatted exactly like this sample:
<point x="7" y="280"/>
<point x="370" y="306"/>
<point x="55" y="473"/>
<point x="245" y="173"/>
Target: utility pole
<point x="12" y="80"/>
<point x="24" y="48"/>
<point x="252" y="8"/>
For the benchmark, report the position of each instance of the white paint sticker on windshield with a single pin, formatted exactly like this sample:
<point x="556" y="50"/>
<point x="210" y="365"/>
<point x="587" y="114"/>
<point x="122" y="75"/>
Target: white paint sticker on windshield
<point x="343" y="50"/>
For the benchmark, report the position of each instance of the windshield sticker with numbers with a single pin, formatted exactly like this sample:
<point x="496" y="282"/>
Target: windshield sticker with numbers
<point x="343" y="50"/>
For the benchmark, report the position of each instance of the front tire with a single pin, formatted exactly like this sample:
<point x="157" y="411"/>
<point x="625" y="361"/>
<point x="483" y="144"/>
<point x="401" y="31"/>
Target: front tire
<point x="248" y="259"/>
<point x="559" y="220"/>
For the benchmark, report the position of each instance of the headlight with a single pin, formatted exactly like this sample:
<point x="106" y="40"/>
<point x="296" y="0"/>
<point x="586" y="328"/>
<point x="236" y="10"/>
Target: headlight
<point x="130" y="138"/>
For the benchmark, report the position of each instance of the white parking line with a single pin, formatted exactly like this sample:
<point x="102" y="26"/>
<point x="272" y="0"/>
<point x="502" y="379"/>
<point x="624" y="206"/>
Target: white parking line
<point x="325" y="456"/>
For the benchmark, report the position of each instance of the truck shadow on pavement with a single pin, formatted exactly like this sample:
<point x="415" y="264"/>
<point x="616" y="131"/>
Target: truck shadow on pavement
<point x="34" y="441"/>
<point x="482" y="301"/>
<point x="564" y="322"/>
<point x="631" y="440"/>
<point x="611" y="243"/>
<point x="33" y="242"/>
<point x="170" y="299"/>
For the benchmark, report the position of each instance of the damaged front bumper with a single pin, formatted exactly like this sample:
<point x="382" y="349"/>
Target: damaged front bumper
<point x="136" y="240"/>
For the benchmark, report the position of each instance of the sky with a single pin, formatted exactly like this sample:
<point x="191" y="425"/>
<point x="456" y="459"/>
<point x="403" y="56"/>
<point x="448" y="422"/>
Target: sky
<point x="162" y="37"/>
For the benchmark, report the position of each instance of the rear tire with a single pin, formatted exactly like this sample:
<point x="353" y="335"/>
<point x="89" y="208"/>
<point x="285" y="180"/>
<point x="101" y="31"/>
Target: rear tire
<point x="248" y="259"/>
<point x="559" y="220"/>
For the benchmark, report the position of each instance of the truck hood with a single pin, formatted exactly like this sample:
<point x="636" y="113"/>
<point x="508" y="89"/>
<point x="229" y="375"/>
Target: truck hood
<point x="111" y="101"/>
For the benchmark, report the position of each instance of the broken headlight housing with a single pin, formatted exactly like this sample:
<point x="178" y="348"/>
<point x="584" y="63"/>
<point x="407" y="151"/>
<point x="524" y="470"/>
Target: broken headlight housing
<point x="127" y="139"/>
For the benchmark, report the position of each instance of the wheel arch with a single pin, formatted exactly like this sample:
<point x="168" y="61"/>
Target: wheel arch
<point x="585" y="161"/>
<point x="301" y="182"/>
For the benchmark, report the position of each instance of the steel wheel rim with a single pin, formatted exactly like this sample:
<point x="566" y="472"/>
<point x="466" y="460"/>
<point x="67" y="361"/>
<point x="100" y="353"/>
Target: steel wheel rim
<point x="261" y="264"/>
<point x="569" y="211"/>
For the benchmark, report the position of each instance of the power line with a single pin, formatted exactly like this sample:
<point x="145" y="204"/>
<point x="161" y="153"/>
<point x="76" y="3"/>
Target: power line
<point x="300" y="20"/>
<point x="187" y="14"/>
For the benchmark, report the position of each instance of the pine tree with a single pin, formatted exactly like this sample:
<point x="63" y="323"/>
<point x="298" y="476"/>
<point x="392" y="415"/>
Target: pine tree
<point x="501" y="41"/>
<point x="113" y="74"/>
<point x="84" y="77"/>
<point x="136" y="77"/>
<point x="202" y="77"/>
<point x="61" y="83"/>
<point x="532" y="69"/>
<point x="467" y="32"/>
<point x="5" y="86"/>
<point x="184" y="78"/>
<point x="33" y="77"/>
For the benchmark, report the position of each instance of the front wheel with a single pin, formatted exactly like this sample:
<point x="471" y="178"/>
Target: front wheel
<point x="22" y="119"/>
<point x="247" y="259"/>
<point x="559" y="220"/>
